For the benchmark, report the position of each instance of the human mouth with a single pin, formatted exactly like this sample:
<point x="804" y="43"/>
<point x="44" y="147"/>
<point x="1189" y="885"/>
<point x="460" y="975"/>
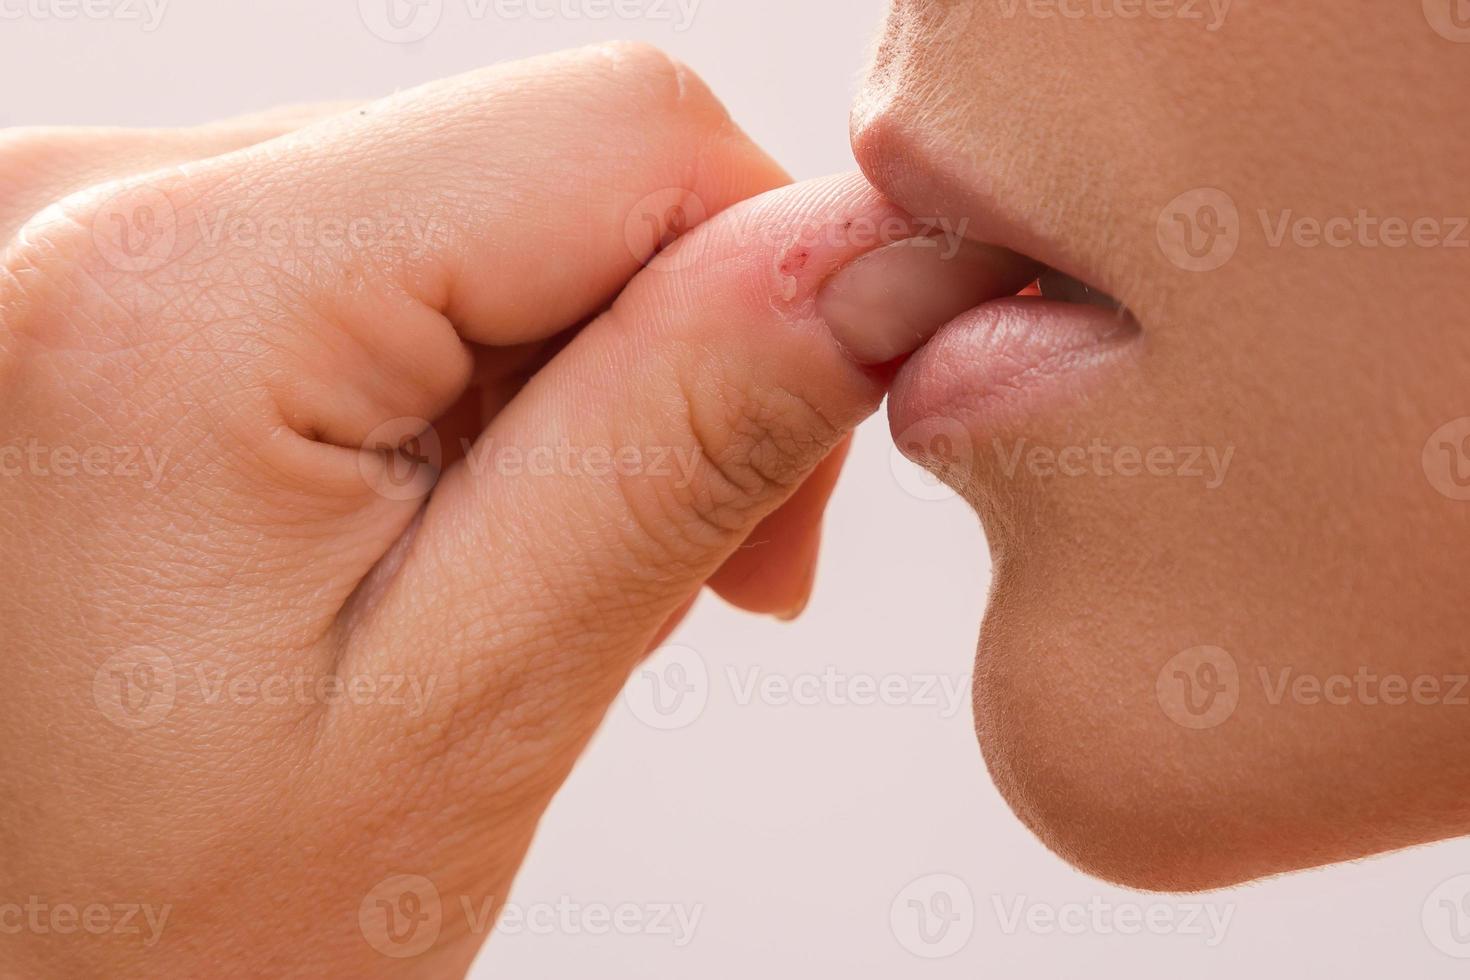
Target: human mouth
<point x="1007" y="363"/>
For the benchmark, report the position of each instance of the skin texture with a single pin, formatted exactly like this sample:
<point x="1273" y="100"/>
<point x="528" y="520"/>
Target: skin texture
<point x="295" y="657"/>
<point x="1332" y="549"/>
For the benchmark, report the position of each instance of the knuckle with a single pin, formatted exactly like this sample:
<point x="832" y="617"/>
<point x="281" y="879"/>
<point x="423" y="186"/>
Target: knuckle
<point x="89" y="267"/>
<point x="44" y="295"/>
<point x="106" y="273"/>
<point x="752" y="446"/>
<point x="115" y="230"/>
<point x="761" y="442"/>
<point x="25" y="147"/>
<point x="29" y="155"/>
<point x="43" y="165"/>
<point x="661" y="82"/>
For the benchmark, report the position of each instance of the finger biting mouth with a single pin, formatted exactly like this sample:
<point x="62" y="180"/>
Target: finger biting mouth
<point x="1014" y="363"/>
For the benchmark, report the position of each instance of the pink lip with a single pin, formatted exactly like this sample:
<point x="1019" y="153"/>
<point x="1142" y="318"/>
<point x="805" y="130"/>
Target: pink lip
<point x="1002" y="363"/>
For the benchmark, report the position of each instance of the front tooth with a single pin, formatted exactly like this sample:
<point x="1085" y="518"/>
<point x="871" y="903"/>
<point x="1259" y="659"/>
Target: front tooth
<point x="1064" y="288"/>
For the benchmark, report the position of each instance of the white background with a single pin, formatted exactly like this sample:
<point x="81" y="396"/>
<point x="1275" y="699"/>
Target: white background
<point x="792" y="829"/>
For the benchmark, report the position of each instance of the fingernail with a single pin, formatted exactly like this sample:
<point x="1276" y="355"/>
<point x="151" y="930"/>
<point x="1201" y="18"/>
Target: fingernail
<point x="888" y="302"/>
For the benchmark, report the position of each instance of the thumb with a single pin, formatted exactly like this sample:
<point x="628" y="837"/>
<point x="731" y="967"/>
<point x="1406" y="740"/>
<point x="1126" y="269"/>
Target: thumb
<point x="632" y="466"/>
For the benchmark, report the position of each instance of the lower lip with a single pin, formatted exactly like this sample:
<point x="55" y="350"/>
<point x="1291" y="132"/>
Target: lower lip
<point x="1004" y="362"/>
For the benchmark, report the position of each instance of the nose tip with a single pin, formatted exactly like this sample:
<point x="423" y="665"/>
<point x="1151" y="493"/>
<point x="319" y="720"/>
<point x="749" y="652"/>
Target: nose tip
<point x="875" y="137"/>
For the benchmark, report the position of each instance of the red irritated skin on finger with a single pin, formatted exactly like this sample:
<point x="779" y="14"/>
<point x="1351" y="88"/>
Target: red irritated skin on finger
<point x="1255" y="473"/>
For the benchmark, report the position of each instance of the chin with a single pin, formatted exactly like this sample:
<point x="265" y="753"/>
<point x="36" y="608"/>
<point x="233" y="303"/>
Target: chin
<point x="1078" y="762"/>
